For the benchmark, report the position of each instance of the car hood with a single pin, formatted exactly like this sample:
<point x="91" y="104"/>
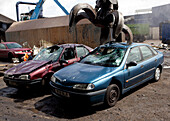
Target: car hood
<point x="83" y="73"/>
<point x="20" y="49"/>
<point x="26" y="67"/>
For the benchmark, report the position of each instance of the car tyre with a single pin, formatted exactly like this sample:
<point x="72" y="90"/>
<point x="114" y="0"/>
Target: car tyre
<point x="45" y="81"/>
<point x="112" y="95"/>
<point x="157" y="74"/>
<point x="10" y="56"/>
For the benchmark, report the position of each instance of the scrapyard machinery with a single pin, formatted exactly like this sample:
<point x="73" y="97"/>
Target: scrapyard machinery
<point x="105" y="22"/>
<point x="37" y="12"/>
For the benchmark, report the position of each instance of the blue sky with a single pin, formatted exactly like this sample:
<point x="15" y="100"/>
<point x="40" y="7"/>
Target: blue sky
<point x="50" y="9"/>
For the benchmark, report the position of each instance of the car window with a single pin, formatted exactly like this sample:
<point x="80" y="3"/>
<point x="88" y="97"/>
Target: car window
<point x="146" y="52"/>
<point x="134" y="55"/>
<point x="13" y="45"/>
<point x="105" y="56"/>
<point x="2" y="46"/>
<point x="68" y="54"/>
<point x="81" y="51"/>
<point x="47" y="54"/>
<point x="154" y="51"/>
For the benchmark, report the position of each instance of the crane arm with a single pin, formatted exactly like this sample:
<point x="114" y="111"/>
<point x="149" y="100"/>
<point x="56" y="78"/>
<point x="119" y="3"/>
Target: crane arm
<point x="38" y="9"/>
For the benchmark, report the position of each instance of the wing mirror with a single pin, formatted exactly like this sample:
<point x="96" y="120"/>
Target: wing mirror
<point x="63" y="61"/>
<point x="132" y="63"/>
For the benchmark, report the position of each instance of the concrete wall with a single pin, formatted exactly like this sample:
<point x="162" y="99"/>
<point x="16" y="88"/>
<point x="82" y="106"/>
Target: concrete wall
<point x="154" y="33"/>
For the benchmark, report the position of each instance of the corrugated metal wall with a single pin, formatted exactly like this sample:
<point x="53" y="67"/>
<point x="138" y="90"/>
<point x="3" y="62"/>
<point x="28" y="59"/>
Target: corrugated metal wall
<point x="53" y="30"/>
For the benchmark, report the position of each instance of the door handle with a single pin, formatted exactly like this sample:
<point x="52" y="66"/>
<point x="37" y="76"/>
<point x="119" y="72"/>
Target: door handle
<point x="141" y="66"/>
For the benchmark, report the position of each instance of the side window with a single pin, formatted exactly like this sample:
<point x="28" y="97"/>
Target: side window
<point x="134" y="55"/>
<point x="81" y="51"/>
<point x="146" y="52"/>
<point x="2" y="46"/>
<point x="68" y="54"/>
<point x="154" y="51"/>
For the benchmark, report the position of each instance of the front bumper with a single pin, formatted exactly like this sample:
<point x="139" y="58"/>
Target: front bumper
<point x="83" y="97"/>
<point x="20" y="55"/>
<point x="22" y="83"/>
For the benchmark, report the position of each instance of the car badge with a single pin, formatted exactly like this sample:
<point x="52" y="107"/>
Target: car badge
<point x="64" y="80"/>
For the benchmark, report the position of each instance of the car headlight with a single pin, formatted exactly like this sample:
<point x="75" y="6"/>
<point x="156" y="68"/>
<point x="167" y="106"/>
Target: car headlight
<point x="5" y="75"/>
<point x="17" y="52"/>
<point x="24" y="77"/>
<point x="53" y="79"/>
<point x="84" y="86"/>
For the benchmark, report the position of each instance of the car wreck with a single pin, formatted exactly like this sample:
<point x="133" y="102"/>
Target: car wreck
<point x="107" y="72"/>
<point x="39" y="70"/>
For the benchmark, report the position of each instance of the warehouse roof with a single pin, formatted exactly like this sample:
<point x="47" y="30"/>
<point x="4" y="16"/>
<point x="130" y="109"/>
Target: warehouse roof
<point x="42" y="23"/>
<point x="5" y="19"/>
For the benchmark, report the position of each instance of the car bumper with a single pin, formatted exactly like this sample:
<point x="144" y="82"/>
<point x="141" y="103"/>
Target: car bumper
<point x="71" y="95"/>
<point x="22" y="83"/>
<point x="20" y="55"/>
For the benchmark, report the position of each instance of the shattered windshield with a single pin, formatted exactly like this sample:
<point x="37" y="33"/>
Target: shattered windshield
<point x="105" y="56"/>
<point x="48" y="54"/>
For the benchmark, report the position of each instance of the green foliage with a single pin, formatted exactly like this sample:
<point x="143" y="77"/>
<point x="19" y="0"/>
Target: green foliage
<point x="139" y="29"/>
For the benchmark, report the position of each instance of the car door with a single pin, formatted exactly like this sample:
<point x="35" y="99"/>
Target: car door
<point x="3" y="51"/>
<point x="69" y="56"/>
<point x="133" y="74"/>
<point x="149" y="61"/>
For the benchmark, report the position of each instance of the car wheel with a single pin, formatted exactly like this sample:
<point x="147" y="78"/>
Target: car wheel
<point x="112" y="95"/>
<point x="45" y="81"/>
<point x="10" y="56"/>
<point x="157" y="74"/>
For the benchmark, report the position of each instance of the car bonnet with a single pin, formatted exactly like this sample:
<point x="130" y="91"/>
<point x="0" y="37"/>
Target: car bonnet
<point x="83" y="73"/>
<point x="26" y="67"/>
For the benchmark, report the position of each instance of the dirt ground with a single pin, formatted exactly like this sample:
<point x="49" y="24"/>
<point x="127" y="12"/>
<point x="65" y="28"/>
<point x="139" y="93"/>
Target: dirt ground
<point x="150" y="101"/>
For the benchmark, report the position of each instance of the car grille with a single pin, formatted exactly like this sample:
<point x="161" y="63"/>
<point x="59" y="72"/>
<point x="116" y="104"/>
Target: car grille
<point x="26" y="51"/>
<point x="13" y="76"/>
<point x="64" y="83"/>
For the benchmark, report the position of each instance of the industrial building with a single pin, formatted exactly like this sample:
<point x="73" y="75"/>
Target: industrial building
<point x="55" y="30"/>
<point x="153" y="17"/>
<point x="5" y="23"/>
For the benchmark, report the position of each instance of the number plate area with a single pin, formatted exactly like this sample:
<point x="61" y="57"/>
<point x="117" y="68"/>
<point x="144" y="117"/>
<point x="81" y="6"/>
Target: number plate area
<point x="62" y="93"/>
<point x="12" y="83"/>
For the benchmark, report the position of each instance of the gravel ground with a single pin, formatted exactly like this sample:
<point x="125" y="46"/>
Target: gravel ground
<point x="150" y="101"/>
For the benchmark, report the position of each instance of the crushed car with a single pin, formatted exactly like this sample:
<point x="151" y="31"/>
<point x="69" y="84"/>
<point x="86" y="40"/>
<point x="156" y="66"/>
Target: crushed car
<point x="107" y="72"/>
<point x="39" y="70"/>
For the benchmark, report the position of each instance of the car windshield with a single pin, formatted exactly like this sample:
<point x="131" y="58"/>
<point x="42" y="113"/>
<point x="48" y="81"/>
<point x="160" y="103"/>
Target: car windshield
<point x="105" y="56"/>
<point x="49" y="54"/>
<point x="13" y="45"/>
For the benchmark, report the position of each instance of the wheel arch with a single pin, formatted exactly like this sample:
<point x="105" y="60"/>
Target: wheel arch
<point x="160" y="66"/>
<point x="118" y="83"/>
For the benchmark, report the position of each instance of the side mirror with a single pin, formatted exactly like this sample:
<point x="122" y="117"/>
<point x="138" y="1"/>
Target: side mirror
<point x="132" y="63"/>
<point x="81" y="57"/>
<point x="63" y="61"/>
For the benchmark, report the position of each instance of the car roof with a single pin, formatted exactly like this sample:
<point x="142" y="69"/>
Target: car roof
<point x="7" y="42"/>
<point x="122" y="45"/>
<point x="69" y="45"/>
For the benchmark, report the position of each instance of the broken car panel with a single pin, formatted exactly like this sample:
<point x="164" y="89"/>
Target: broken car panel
<point x="40" y="69"/>
<point x="107" y="72"/>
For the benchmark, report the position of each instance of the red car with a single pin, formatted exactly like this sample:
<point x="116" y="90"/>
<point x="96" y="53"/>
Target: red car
<point x="13" y="50"/>
<point x="39" y="70"/>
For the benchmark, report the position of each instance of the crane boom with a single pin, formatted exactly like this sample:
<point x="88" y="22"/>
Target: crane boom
<point x="38" y="8"/>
